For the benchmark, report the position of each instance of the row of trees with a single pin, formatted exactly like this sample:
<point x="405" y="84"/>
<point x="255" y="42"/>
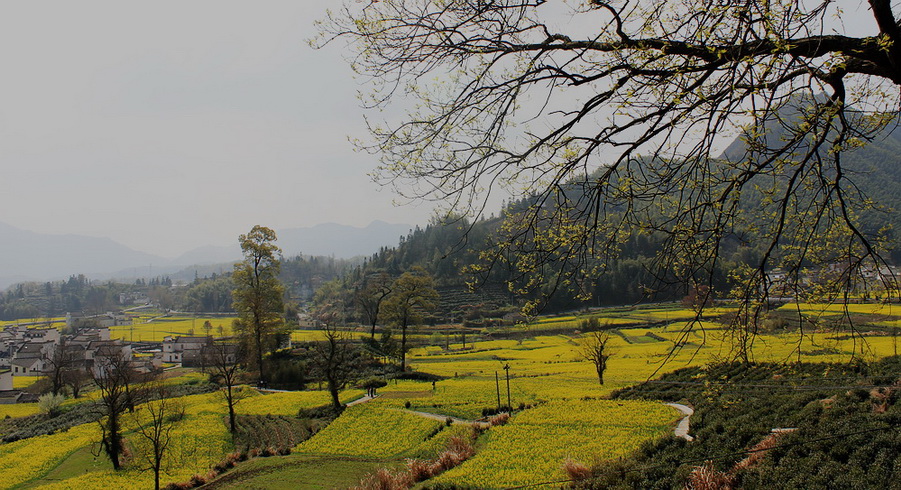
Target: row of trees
<point x="130" y="398"/>
<point x="378" y="298"/>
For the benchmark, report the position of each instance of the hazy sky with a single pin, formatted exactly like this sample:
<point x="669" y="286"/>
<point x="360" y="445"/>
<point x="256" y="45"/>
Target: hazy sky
<point x="168" y="125"/>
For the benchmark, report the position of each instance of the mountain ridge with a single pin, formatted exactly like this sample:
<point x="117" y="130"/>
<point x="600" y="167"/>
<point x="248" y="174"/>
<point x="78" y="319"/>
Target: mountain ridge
<point x="31" y="256"/>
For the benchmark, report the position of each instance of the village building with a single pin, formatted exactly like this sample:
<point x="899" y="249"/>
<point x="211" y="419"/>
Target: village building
<point x="186" y="351"/>
<point x="6" y="380"/>
<point x="30" y="358"/>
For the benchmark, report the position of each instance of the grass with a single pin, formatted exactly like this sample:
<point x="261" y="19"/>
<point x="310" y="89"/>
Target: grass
<point x="78" y="463"/>
<point x="299" y="471"/>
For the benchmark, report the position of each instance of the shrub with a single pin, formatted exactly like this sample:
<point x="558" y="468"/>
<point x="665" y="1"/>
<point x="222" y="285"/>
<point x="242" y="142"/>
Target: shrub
<point x="706" y="477"/>
<point x="419" y="470"/>
<point x="575" y="470"/>
<point x="198" y="480"/>
<point x="49" y="404"/>
<point x="495" y="410"/>
<point x="386" y="480"/>
<point x="418" y="376"/>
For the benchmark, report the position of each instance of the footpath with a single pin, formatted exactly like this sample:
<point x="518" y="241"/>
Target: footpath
<point x="681" y="429"/>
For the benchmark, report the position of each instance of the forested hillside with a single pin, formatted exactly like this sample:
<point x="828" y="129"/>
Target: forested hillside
<point x="212" y="294"/>
<point x="449" y="249"/>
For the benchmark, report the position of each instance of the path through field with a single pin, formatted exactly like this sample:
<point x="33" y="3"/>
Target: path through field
<point x="682" y="428"/>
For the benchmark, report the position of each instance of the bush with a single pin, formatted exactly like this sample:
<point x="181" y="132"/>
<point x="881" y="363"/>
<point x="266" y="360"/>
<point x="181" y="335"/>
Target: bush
<point x="418" y="376"/>
<point x="384" y="479"/>
<point x="576" y="471"/>
<point x="320" y="412"/>
<point x="49" y="404"/>
<point x="486" y="412"/>
<point x="499" y="419"/>
<point x="374" y="383"/>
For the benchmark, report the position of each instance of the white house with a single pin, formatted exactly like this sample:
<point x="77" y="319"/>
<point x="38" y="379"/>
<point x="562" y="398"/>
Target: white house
<point x="186" y="351"/>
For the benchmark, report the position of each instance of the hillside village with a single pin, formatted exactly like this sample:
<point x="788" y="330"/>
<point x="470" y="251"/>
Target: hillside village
<point x="41" y="351"/>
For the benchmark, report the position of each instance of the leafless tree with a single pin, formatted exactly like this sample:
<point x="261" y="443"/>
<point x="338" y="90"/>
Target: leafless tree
<point x="371" y="296"/>
<point x="120" y="391"/>
<point x="63" y="359"/>
<point x="77" y="378"/>
<point x="154" y="422"/>
<point x="224" y="360"/>
<point x="335" y="358"/>
<point x="606" y="121"/>
<point x="594" y="349"/>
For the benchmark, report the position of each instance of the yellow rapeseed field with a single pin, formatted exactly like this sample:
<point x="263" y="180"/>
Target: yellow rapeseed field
<point x="533" y="446"/>
<point x="371" y="430"/>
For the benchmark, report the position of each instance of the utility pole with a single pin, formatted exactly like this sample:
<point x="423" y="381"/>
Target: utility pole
<point x="509" y="403"/>
<point x="497" y="385"/>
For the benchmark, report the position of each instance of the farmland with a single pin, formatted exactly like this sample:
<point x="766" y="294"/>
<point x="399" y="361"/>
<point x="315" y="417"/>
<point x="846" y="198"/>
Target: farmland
<point x="154" y="329"/>
<point x="562" y="411"/>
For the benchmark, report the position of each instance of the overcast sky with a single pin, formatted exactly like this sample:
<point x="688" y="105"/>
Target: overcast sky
<point x="169" y="125"/>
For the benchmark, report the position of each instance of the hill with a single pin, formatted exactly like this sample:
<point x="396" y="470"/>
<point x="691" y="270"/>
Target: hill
<point x="444" y="248"/>
<point x="26" y="255"/>
<point x="30" y="256"/>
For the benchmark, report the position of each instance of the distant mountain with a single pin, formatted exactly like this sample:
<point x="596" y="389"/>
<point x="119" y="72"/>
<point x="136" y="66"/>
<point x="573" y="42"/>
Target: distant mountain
<point x="30" y="256"/>
<point x="26" y="255"/>
<point x="210" y="254"/>
<point x="340" y="241"/>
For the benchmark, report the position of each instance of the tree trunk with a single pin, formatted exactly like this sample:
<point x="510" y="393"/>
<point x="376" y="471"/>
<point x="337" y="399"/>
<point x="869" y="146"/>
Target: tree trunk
<point x="259" y="341"/>
<point x="403" y="346"/>
<point x="113" y="442"/>
<point x="333" y="390"/>
<point x="231" y="410"/>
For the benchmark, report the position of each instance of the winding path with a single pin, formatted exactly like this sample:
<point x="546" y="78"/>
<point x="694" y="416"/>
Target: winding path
<point x="443" y="418"/>
<point x="682" y="428"/>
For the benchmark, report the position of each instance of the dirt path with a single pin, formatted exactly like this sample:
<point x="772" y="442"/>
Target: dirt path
<point x="443" y="418"/>
<point x="362" y="399"/>
<point x="682" y="428"/>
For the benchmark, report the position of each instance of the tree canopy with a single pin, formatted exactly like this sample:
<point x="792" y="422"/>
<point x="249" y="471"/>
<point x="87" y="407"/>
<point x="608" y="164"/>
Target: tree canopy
<point x="412" y="295"/>
<point x="258" y="294"/>
<point x="608" y="120"/>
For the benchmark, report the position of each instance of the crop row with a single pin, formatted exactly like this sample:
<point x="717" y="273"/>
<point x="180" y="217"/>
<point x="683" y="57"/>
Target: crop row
<point x="532" y="448"/>
<point x="371" y="430"/>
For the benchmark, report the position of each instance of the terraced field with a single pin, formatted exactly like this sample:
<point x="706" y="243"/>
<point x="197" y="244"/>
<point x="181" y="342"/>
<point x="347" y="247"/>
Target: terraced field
<point x="563" y="412"/>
